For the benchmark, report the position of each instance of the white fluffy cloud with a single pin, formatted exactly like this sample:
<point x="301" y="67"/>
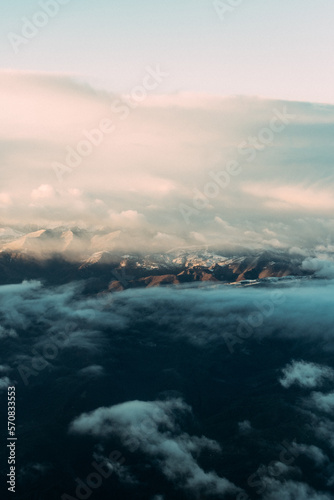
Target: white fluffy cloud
<point x="152" y="428"/>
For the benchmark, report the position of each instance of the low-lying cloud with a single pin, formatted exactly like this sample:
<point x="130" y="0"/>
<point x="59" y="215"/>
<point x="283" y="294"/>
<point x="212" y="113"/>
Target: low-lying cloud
<point x="156" y="355"/>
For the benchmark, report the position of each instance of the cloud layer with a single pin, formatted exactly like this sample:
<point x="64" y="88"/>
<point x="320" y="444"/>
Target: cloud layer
<point x="166" y="170"/>
<point x="151" y="372"/>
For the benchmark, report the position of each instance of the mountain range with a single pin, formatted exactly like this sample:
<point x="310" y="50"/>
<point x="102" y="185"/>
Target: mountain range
<point x="62" y="255"/>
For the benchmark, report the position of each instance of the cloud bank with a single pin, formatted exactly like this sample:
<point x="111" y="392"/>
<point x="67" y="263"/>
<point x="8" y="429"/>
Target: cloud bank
<point x="170" y="170"/>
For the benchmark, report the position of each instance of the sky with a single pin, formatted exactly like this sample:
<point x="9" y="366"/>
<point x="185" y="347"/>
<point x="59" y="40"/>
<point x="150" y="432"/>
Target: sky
<point x="170" y="123"/>
<point x="277" y="49"/>
<point x="158" y="125"/>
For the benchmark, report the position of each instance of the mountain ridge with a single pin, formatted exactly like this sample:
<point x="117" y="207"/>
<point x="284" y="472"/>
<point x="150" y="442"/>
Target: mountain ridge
<point x="108" y="271"/>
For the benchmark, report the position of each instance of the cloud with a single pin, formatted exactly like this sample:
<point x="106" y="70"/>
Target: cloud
<point x="22" y="304"/>
<point x="324" y="429"/>
<point x="32" y="471"/>
<point x="201" y="316"/>
<point x="314" y="453"/>
<point x="245" y="427"/>
<point x="7" y="333"/>
<point x="322" y="268"/>
<point x="110" y="327"/>
<point x="4" y="368"/>
<point x="170" y="151"/>
<point x="4" y="383"/>
<point x="305" y="374"/>
<point x="152" y="428"/>
<point x="292" y="490"/>
<point x="288" y="197"/>
<point x="5" y="200"/>
<point x="323" y="402"/>
<point x="92" y="371"/>
<point x="127" y="219"/>
<point x="44" y="191"/>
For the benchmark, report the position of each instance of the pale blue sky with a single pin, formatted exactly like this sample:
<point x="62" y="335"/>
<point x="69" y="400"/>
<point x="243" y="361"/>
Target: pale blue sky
<point x="273" y="48"/>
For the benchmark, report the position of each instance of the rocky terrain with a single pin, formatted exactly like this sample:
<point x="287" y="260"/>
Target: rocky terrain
<point x="56" y="257"/>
